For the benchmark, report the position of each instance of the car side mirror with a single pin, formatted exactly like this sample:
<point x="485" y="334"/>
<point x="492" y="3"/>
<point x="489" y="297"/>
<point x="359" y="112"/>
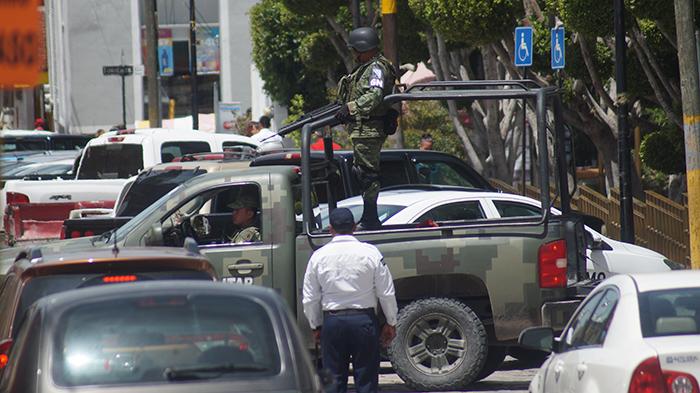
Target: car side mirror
<point x="593" y="241"/>
<point x="540" y="338"/>
<point x="154" y="235"/>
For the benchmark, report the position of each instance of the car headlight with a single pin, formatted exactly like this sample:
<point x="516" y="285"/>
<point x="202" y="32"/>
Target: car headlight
<point x="674" y="265"/>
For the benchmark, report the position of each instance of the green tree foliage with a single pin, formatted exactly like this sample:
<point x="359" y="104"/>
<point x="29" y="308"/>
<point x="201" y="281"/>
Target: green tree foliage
<point x="475" y="22"/>
<point x="311" y="7"/>
<point x="663" y="150"/>
<point x="593" y="18"/>
<point x="277" y="35"/>
<point x="430" y="117"/>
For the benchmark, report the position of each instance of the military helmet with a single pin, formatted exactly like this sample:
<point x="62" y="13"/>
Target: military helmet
<point x="244" y="200"/>
<point x="363" y="39"/>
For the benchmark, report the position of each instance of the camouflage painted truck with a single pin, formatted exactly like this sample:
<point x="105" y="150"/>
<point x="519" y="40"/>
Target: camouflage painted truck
<point x="465" y="289"/>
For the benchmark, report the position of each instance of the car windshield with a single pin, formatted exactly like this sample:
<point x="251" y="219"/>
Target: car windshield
<point x="152" y="185"/>
<point x="135" y="339"/>
<point x="112" y="161"/>
<point x="42" y="286"/>
<point x="125" y="229"/>
<point x="24" y="144"/>
<point x="670" y="312"/>
<point x="384" y="212"/>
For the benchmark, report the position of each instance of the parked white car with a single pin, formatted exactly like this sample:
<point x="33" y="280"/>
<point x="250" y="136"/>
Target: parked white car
<point x="406" y="206"/>
<point x="633" y="333"/>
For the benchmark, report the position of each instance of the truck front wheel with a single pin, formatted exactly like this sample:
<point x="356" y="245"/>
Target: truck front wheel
<point x="440" y="344"/>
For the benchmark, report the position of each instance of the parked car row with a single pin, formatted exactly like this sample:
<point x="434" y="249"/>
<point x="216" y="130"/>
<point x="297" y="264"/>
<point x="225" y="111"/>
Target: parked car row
<point x="143" y="318"/>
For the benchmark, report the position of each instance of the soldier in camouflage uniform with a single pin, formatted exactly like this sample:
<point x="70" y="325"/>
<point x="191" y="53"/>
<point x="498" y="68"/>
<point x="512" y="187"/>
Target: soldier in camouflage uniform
<point x="364" y="112"/>
<point x="244" y="216"/>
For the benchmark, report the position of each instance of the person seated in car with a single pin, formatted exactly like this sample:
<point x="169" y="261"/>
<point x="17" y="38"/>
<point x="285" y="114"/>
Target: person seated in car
<point x="244" y="216"/>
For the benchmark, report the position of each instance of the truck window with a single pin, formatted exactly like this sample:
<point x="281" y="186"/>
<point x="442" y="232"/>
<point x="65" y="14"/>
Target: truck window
<point x="21" y="144"/>
<point x="150" y="186"/>
<point x="68" y="143"/>
<point x="437" y="172"/>
<point x="113" y="161"/>
<point x="220" y="216"/>
<point x="515" y="209"/>
<point x="457" y="211"/>
<point x="170" y="150"/>
<point x="393" y="173"/>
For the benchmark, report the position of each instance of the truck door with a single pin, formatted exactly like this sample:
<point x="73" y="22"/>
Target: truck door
<point x="228" y="224"/>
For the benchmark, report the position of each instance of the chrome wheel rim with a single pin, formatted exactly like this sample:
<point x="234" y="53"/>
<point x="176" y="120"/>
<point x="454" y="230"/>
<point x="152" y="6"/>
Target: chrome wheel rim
<point x="435" y="344"/>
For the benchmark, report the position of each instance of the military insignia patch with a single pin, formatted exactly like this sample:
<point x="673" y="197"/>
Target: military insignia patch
<point x="377" y="78"/>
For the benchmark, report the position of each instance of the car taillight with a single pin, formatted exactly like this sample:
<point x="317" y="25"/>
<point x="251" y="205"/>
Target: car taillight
<point x="552" y="264"/>
<point x="678" y="382"/>
<point x="115" y="139"/>
<point x="89" y="233"/>
<point x="74" y="234"/>
<point x="16" y="197"/>
<point x="116" y="279"/>
<point x="5" y="346"/>
<point x="647" y="377"/>
<point x="292" y="156"/>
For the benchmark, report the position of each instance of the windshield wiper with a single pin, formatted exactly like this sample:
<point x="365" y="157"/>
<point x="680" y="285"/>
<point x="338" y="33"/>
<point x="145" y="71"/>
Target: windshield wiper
<point x="207" y="372"/>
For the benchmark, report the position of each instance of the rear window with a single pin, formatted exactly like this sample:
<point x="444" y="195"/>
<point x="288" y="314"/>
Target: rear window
<point x="22" y="144"/>
<point x="134" y="340"/>
<point x="151" y="186"/>
<point x="670" y="312"/>
<point x="112" y="161"/>
<point x="437" y="172"/>
<point x="42" y="286"/>
<point x="170" y="150"/>
<point x="68" y="143"/>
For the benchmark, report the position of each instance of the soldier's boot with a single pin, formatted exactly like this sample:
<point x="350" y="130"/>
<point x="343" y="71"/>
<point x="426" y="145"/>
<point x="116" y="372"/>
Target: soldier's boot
<point x="370" y="220"/>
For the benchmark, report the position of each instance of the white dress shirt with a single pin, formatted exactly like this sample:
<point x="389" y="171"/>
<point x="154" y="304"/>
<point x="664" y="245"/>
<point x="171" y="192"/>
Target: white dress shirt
<point x="347" y="274"/>
<point x="266" y="136"/>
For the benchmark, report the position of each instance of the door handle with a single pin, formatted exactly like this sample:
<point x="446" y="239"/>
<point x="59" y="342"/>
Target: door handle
<point x="581" y="369"/>
<point x="246" y="266"/>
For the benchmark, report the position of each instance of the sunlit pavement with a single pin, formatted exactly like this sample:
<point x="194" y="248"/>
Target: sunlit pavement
<point x="512" y="377"/>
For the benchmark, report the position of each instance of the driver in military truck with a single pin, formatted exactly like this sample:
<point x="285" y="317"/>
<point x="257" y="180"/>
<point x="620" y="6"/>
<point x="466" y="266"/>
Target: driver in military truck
<point x="244" y="216"/>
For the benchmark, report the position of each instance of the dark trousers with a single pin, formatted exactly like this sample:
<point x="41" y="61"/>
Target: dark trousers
<point x="351" y="337"/>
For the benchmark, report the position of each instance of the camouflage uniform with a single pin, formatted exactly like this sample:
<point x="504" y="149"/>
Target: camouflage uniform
<point x="249" y="233"/>
<point x="364" y="90"/>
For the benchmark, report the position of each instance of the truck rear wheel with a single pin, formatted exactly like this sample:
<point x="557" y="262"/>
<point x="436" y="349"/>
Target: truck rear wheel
<point x="440" y="344"/>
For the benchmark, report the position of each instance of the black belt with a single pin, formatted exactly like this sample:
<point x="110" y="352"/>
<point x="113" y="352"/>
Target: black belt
<point x="350" y="311"/>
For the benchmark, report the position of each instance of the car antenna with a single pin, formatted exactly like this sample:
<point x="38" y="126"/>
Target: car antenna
<point x="115" y="249"/>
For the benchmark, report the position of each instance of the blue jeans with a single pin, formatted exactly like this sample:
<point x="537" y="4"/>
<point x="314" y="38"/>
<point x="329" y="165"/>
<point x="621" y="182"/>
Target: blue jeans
<point x="352" y="337"/>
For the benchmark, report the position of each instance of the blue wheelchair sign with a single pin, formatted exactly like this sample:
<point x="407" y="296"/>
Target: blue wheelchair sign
<point x="523" y="46"/>
<point x="558" y="48"/>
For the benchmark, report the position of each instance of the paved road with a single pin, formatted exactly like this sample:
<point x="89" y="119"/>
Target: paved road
<point x="512" y="377"/>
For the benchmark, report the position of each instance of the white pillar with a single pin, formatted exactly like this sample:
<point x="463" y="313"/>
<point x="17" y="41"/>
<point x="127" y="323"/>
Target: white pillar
<point x="137" y="80"/>
<point x="225" y="51"/>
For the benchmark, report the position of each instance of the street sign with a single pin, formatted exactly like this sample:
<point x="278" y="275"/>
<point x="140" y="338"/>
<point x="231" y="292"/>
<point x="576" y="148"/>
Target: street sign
<point x="523" y="46"/>
<point x="121" y="70"/>
<point x="21" y="42"/>
<point x="558" y="48"/>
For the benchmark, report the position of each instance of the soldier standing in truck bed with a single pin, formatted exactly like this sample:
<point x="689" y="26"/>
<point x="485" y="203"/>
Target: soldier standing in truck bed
<point x="369" y="120"/>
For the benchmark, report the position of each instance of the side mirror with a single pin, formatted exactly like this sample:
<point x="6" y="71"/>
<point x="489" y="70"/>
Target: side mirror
<point x="540" y="338"/>
<point x="154" y="236"/>
<point x="593" y="241"/>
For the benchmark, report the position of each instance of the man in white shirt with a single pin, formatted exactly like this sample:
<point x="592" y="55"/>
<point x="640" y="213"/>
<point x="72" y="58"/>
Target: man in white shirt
<point x="343" y="281"/>
<point x="263" y="135"/>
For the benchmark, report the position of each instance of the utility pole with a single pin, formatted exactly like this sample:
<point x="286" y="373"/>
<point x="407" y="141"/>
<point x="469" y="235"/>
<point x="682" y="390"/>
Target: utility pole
<point x="391" y="51"/>
<point x="688" y="64"/>
<point x="623" y="145"/>
<point x="151" y="15"/>
<point x="355" y="11"/>
<point x="193" y="66"/>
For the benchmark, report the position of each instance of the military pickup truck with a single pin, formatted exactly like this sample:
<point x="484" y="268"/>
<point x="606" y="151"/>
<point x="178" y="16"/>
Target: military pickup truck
<point x="466" y="289"/>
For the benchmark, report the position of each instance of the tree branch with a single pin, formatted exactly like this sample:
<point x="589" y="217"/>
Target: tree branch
<point x="659" y="92"/>
<point x="339" y="41"/>
<point x="532" y="8"/>
<point x="595" y="78"/>
<point x="610" y="121"/>
<point x="672" y="90"/>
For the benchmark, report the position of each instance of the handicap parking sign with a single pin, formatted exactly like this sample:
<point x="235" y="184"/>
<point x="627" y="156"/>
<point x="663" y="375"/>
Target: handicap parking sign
<point x="558" y="52"/>
<point x="523" y="47"/>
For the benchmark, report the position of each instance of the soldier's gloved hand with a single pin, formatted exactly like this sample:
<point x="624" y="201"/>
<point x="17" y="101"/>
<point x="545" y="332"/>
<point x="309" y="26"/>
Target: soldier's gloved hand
<point x="343" y="114"/>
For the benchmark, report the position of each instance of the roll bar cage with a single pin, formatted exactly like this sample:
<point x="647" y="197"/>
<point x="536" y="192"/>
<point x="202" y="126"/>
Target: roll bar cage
<point x="451" y="90"/>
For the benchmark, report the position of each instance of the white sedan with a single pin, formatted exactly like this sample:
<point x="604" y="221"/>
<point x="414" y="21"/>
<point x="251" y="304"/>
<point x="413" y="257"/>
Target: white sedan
<point x="405" y="206"/>
<point x="634" y="333"/>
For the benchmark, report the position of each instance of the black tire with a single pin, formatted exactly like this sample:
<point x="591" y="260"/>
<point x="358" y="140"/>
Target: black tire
<point x="424" y="328"/>
<point x="494" y="359"/>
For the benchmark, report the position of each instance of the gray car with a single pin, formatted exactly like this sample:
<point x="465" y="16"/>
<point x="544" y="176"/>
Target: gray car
<point x="175" y="336"/>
